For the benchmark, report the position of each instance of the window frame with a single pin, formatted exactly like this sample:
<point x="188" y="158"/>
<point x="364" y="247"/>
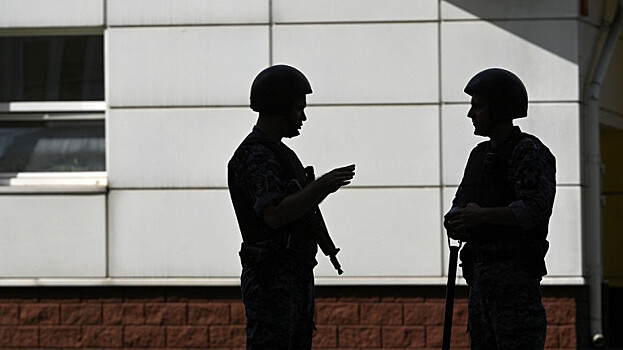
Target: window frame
<point x="25" y="111"/>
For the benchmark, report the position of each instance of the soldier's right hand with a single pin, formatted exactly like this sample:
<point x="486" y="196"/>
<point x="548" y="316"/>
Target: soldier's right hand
<point x="456" y="232"/>
<point x="337" y="178"/>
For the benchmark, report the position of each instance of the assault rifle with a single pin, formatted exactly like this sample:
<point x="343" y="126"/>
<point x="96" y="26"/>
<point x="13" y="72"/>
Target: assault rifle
<point x="318" y="228"/>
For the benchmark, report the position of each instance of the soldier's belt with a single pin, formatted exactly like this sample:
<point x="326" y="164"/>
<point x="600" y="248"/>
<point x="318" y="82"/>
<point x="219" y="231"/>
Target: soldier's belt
<point x="493" y="256"/>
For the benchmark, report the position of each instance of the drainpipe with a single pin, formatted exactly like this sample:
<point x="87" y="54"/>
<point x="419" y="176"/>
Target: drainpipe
<point x="593" y="179"/>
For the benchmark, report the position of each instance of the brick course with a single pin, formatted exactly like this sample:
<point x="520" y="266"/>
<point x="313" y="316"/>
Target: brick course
<point x="113" y="318"/>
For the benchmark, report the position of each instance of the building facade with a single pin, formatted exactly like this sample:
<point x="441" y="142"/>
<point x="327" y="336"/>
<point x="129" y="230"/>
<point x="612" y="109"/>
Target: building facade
<point x="118" y="118"/>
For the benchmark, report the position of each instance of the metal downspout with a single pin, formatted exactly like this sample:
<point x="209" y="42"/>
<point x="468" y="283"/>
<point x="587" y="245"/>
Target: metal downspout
<point x="593" y="164"/>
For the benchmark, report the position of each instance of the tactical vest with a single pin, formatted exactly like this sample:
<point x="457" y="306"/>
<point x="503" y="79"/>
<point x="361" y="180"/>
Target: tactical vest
<point x="489" y="182"/>
<point x="291" y="239"/>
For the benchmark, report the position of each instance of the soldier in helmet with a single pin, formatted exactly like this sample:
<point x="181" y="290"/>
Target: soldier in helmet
<point x="278" y="252"/>
<point x="501" y="211"/>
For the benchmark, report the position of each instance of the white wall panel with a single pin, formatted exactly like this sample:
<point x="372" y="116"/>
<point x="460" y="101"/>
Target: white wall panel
<point x="175" y="12"/>
<point x="391" y="146"/>
<point x="300" y="11"/>
<point x="195" y="234"/>
<point x="365" y="63"/>
<point x="544" y="54"/>
<point x="457" y="141"/>
<point x="184" y="66"/>
<point x="565" y="236"/>
<point x="183" y="233"/>
<point x="384" y="232"/>
<point x="56" y="13"/>
<point x="53" y="236"/>
<point x="476" y="9"/>
<point x="174" y="147"/>
<point x="564" y="258"/>
<point x="557" y="125"/>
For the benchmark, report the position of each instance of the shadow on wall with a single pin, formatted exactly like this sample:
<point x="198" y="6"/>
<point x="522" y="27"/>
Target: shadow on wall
<point x="515" y="19"/>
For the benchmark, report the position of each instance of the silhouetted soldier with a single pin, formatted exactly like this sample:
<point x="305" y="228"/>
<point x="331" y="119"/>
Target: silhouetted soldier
<point x="502" y="210"/>
<point x="278" y="250"/>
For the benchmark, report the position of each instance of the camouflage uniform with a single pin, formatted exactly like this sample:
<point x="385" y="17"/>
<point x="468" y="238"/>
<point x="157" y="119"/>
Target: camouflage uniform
<point x="503" y="265"/>
<point x="505" y="308"/>
<point x="277" y="277"/>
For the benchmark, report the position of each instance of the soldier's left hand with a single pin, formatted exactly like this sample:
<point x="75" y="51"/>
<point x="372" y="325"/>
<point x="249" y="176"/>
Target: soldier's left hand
<point x="462" y="219"/>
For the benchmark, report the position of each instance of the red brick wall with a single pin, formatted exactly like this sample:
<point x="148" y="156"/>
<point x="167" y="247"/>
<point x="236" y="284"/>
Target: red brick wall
<point x="213" y="318"/>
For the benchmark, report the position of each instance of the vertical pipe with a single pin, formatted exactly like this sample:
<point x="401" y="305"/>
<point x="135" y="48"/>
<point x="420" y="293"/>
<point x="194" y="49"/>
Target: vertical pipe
<point x="593" y="179"/>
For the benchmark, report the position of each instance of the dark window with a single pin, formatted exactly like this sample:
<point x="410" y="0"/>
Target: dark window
<point x="52" y="146"/>
<point x="52" y="68"/>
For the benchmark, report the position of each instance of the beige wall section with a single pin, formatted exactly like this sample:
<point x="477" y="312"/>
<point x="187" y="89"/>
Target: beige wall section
<point x="611" y="146"/>
<point x="611" y="117"/>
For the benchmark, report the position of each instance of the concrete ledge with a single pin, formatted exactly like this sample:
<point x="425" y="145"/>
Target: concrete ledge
<point x="235" y="281"/>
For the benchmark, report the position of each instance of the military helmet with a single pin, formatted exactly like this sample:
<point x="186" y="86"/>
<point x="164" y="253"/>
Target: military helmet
<point x="506" y="93"/>
<point x="275" y="88"/>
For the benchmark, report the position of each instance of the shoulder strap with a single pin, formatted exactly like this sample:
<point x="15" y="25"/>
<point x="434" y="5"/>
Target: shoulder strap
<point x="293" y="169"/>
